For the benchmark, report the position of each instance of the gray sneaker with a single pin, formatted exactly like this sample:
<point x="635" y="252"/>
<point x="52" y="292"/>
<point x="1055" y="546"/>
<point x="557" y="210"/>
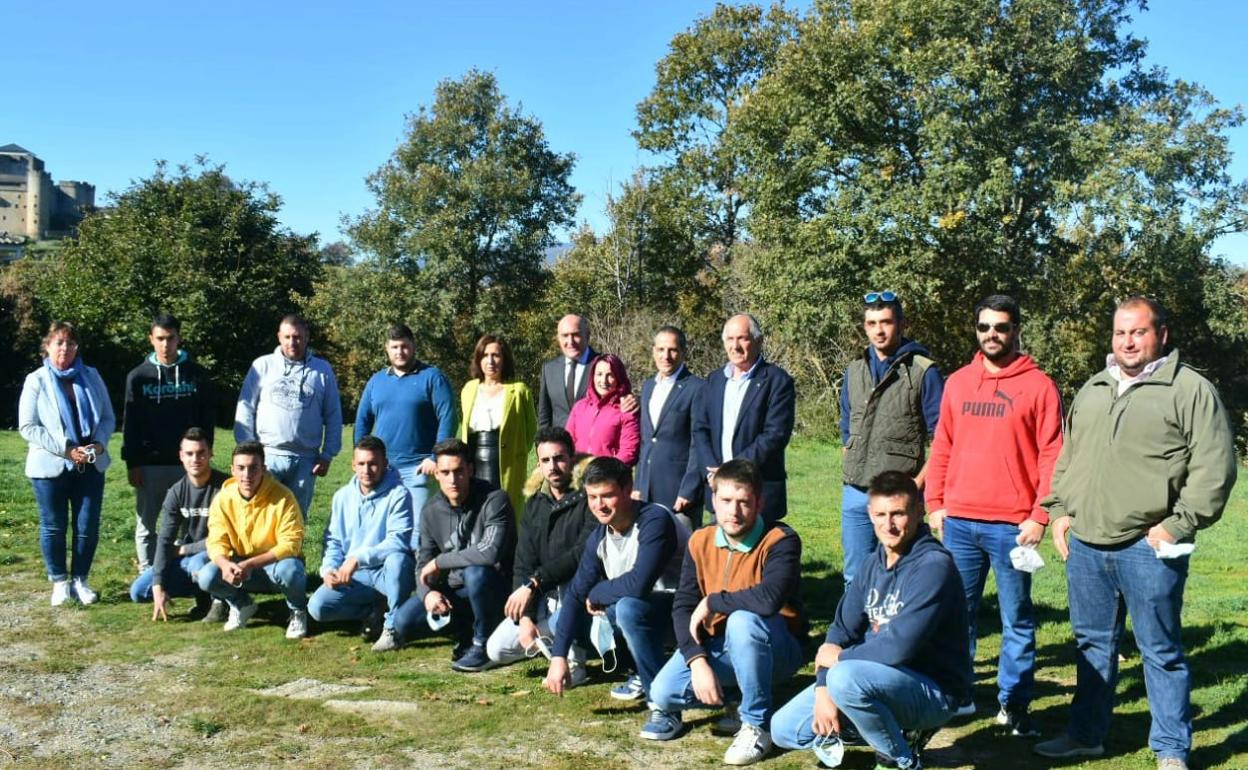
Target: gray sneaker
<point x="1064" y="746"/>
<point x="387" y="642"/>
<point x="217" y="613"/>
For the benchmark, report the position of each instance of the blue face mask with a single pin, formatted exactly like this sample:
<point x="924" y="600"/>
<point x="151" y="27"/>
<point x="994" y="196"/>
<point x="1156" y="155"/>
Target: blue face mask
<point x="438" y="622"/>
<point x="602" y="636"/>
<point x="829" y="750"/>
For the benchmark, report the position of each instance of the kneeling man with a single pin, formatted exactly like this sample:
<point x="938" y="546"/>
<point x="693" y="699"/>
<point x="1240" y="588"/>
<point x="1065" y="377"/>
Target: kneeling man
<point x="895" y="661"/>
<point x="255" y="541"/>
<point x="737" y="614"/>
<point x="366" y="558"/>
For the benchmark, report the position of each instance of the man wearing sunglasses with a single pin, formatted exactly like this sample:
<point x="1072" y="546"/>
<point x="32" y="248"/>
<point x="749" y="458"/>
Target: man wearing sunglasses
<point x="997" y="442"/>
<point x="890" y="401"/>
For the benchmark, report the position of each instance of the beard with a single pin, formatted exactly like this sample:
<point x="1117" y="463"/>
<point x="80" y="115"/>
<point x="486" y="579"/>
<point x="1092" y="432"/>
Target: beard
<point x="1005" y="350"/>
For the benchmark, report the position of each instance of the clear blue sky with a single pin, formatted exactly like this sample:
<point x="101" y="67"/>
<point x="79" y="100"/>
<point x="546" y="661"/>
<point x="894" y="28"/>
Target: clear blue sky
<point x="311" y="96"/>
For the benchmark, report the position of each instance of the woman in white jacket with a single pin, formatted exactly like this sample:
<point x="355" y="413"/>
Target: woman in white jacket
<point x="66" y="417"/>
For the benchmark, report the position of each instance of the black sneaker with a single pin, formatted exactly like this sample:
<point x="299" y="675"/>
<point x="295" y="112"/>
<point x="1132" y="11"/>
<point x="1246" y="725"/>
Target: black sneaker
<point x="473" y="660"/>
<point x="371" y="626"/>
<point x="1018" y="720"/>
<point x="460" y="649"/>
<point x="849" y="734"/>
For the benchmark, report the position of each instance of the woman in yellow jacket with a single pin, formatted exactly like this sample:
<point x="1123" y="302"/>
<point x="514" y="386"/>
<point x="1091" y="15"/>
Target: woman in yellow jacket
<point x="499" y="419"/>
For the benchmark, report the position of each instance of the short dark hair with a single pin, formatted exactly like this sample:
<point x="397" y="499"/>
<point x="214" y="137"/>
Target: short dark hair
<point x="600" y="470"/>
<point x="553" y="434"/>
<point x="371" y="443"/>
<point x="682" y="341"/>
<point x="399" y="331"/>
<point x="254" y="448"/>
<point x="453" y="447"/>
<point x="194" y="433"/>
<point x="879" y="304"/>
<point x="166" y="321"/>
<point x="1000" y="303"/>
<point x="894" y="484"/>
<point x="478" y="353"/>
<point x="741" y="472"/>
<point x="294" y="319"/>
<point x="1135" y="300"/>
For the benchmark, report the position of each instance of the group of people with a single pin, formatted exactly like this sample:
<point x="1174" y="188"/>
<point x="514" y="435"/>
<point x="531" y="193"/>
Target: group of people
<point x="601" y="550"/>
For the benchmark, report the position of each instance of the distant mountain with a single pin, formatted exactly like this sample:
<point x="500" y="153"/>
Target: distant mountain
<point x="555" y="252"/>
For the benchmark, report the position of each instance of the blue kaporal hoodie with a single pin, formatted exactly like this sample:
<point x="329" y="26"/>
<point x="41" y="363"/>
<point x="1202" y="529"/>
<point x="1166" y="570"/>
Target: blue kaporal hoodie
<point x="912" y="614"/>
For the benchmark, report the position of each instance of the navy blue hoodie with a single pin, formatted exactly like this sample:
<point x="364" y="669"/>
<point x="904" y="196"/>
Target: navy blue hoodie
<point x="911" y="615"/>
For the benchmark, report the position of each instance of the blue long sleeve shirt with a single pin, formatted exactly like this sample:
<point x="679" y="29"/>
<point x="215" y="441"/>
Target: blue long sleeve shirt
<point x="369" y="527"/>
<point x="410" y="413"/>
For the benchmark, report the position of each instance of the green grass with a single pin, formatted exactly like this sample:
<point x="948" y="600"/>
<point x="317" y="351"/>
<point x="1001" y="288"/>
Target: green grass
<point x="183" y="694"/>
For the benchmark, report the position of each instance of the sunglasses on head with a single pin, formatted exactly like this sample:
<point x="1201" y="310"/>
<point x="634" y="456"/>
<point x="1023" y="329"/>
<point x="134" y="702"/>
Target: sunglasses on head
<point x="879" y="296"/>
<point x="1002" y="328"/>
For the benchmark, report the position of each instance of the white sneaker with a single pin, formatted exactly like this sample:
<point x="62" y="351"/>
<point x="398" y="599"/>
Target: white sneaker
<point x="297" y="628"/>
<point x="239" y="616"/>
<point x="60" y="592"/>
<point x="84" y="592"/>
<point x="751" y="744"/>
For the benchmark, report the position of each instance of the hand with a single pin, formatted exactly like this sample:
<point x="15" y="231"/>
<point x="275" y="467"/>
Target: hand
<point x="232" y="573"/>
<point x="710" y="474"/>
<point x="920" y="479"/>
<point x="347" y="569"/>
<point x="135" y="476"/>
<point x="1158" y="535"/>
<point x="244" y="569"/>
<point x="160" y="604"/>
<point x="528" y="633"/>
<point x="936" y="520"/>
<point x="828" y="655"/>
<point x="1057" y="530"/>
<point x="320" y="467"/>
<point x="1030" y="533"/>
<point x="78" y="455"/>
<point x="680" y="504"/>
<point x="629" y="404"/>
<point x="517" y="603"/>
<point x="429" y="573"/>
<point x="331" y="579"/>
<point x="827" y="719"/>
<point x="594" y="609"/>
<point x="705" y="683"/>
<point x="427" y="467"/>
<point x="636" y="495"/>
<point x="700" y="613"/>
<point x="436" y="603"/>
<point x="557" y="676"/>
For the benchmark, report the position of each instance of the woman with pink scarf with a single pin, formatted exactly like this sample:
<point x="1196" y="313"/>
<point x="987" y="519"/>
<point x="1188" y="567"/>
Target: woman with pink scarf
<point x="597" y="424"/>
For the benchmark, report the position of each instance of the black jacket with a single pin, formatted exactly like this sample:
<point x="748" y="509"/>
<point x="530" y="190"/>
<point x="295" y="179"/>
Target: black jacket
<point x="552" y="536"/>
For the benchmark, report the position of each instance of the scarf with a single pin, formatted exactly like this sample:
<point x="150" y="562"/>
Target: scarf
<point x="78" y="427"/>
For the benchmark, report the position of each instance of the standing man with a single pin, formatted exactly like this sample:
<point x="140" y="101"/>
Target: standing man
<point x="748" y="412"/>
<point x="890" y="402"/>
<point x="165" y="394"/>
<point x="255" y="542"/>
<point x="737" y="615"/>
<point x="894" y="663"/>
<point x="1149" y="460"/>
<point x="410" y="407"/>
<point x="667" y="470"/>
<point x="564" y="378"/>
<point x="999" y="436"/>
<point x="289" y="402"/>
<point x="366" y="559"/>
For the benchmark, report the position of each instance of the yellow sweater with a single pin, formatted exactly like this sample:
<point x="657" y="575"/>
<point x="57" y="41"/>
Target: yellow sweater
<point x="269" y="521"/>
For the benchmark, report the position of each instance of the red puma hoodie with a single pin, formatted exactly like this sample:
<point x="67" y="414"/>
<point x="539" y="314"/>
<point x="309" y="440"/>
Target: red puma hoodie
<point x="997" y="441"/>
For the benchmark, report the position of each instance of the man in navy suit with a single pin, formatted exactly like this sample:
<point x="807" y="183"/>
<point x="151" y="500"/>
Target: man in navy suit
<point x="668" y="471"/>
<point x="565" y="377"/>
<point x="747" y="412"/>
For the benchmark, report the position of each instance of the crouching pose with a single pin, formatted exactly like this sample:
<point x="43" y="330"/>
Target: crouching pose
<point x="894" y="662"/>
<point x="737" y="616"/>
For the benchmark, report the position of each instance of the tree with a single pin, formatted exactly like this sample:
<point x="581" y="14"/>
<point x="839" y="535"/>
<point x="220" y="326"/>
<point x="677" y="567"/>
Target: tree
<point x="466" y="207"/>
<point x="703" y="80"/>
<point x="191" y="242"/>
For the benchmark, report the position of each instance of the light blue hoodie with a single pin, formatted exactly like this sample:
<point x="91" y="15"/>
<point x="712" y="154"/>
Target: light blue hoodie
<point x="291" y="406"/>
<point x="369" y="527"/>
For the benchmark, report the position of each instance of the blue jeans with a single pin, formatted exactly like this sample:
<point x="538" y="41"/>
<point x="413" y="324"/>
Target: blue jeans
<point x="477" y="607"/>
<point x="752" y="653"/>
<point x="285" y="576"/>
<point x="392" y="581"/>
<point x="857" y="535"/>
<point x="646" y="625"/>
<point x="417" y="485"/>
<point x="295" y="473"/>
<point x="976" y="546"/>
<point x="880" y="700"/>
<point x="1104" y="585"/>
<point x="179" y="578"/>
<point x="76" y="496"/>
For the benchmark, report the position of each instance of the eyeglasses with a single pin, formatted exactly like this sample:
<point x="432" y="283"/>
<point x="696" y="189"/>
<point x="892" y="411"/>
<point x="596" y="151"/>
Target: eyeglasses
<point x="1005" y="327"/>
<point x="879" y="296"/>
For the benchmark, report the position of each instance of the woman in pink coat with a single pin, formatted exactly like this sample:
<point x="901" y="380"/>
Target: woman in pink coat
<point x="597" y="424"/>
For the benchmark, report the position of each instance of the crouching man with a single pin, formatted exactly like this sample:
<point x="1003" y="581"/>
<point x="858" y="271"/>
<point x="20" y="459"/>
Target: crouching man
<point x="255" y="541"/>
<point x="737" y="616"/>
<point x="894" y="662"/>
<point x="367" y="560"/>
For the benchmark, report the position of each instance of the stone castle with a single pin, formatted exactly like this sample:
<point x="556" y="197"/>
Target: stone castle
<point x="31" y="206"/>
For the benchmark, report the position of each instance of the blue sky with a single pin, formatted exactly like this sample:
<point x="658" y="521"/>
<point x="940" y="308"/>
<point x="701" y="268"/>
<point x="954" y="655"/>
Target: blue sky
<point x="311" y="96"/>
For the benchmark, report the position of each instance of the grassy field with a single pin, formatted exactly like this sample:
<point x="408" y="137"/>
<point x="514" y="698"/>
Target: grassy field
<point x="104" y="686"/>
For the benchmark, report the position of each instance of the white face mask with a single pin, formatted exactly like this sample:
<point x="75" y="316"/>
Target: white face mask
<point x="602" y="636"/>
<point x="829" y="750"/>
<point x="1025" y="558"/>
<point x="438" y="622"/>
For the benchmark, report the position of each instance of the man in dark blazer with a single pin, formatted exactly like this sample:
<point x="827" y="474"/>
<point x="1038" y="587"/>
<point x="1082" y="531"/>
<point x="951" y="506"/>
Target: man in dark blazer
<point x="747" y="412"/>
<point x="667" y="471"/>
<point x="565" y="377"/>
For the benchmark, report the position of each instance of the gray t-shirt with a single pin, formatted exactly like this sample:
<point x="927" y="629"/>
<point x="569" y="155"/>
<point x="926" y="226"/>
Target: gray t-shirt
<point x="185" y="524"/>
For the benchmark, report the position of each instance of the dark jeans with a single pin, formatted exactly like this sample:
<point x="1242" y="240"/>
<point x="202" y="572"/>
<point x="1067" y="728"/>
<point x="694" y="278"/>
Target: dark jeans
<point x="76" y="496"/>
<point x="476" y="607"/>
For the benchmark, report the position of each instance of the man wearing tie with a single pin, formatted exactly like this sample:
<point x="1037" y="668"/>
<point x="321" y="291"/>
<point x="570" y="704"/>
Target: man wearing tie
<point x="564" y="378"/>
